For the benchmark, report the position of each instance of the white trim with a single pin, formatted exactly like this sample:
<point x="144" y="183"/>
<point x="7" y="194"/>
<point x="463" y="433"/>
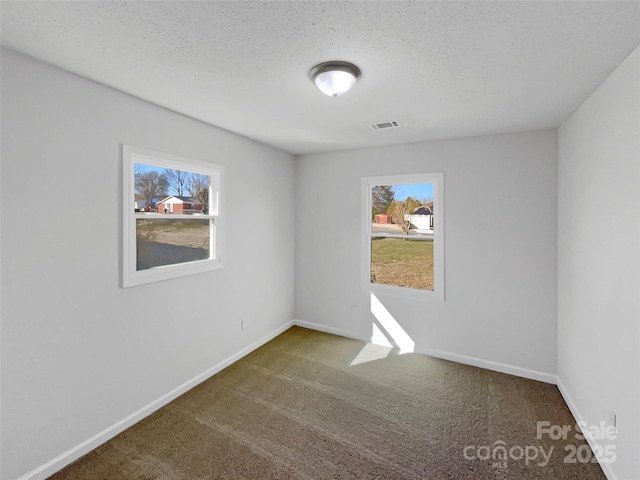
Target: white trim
<point x="606" y="467"/>
<point x="71" y="455"/>
<point x="52" y="466"/>
<point x="454" y="357"/>
<point x="130" y="275"/>
<point x="491" y="365"/>
<point x="326" y="329"/>
<point x="175" y="216"/>
<point x="437" y="179"/>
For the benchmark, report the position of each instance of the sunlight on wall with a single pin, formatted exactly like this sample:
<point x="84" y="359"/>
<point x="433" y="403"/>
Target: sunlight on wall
<point x="386" y="330"/>
<point x="370" y="353"/>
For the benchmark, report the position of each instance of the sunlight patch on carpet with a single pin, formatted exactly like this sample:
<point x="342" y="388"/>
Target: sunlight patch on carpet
<point x="371" y="353"/>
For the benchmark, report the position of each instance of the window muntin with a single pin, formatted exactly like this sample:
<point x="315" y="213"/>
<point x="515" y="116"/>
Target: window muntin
<point x="403" y="250"/>
<point x="172" y="216"/>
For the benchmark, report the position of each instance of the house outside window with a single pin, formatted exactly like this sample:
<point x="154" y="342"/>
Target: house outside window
<point x="180" y="205"/>
<point x="403" y="235"/>
<point x="173" y="220"/>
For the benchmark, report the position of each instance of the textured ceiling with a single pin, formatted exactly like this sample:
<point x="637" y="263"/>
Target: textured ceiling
<point x="443" y="69"/>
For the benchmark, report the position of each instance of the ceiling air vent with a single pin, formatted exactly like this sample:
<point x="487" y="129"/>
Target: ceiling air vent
<point x="385" y="125"/>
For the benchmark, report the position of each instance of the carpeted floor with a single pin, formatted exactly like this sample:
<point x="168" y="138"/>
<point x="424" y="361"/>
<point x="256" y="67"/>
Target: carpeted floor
<point x="309" y="405"/>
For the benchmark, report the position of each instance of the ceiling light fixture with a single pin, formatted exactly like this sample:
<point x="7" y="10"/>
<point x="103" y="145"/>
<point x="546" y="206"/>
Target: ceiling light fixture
<point x="334" y="78"/>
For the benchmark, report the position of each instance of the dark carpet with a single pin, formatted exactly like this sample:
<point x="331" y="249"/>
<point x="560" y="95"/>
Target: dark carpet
<point x="309" y="405"/>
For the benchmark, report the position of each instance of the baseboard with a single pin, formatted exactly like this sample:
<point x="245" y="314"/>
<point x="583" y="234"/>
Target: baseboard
<point x="454" y="357"/>
<point x="324" y="328"/>
<point x="64" y="459"/>
<point x="85" y="447"/>
<point x="491" y="365"/>
<point x="606" y="467"/>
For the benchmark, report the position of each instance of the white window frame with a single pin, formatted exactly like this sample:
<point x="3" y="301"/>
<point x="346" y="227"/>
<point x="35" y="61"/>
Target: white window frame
<point x="437" y="179"/>
<point x="130" y="275"/>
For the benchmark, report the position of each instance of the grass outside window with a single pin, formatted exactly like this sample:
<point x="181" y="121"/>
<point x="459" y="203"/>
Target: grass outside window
<point x="402" y="262"/>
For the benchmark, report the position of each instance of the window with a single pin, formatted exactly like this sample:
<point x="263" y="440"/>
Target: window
<point x="172" y="216"/>
<point x="402" y="235"/>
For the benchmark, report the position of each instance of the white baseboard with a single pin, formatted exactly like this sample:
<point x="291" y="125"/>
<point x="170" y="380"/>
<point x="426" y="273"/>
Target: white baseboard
<point x="606" y="467"/>
<point x="324" y="328"/>
<point x="491" y="365"/>
<point x="454" y="357"/>
<point x="64" y="459"/>
<point x="85" y="447"/>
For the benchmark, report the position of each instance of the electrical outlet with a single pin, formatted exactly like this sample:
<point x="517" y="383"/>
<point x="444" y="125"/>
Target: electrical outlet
<point x="242" y="324"/>
<point x="612" y="421"/>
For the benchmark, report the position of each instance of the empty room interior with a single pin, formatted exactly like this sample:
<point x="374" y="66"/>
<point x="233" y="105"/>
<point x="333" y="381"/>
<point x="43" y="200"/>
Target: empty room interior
<point x="313" y="239"/>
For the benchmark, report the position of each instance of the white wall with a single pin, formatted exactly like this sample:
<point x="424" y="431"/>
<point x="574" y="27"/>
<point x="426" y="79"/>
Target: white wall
<point x="500" y="248"/>
<point x="599" y="262"/>
<point x="79" y="353"/>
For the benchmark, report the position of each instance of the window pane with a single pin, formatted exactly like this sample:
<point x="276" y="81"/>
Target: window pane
<point x="166" y="190"/>
<point x="402" y="235"/>
<point x="168" y="242"/>
<point x="402" y="262"/>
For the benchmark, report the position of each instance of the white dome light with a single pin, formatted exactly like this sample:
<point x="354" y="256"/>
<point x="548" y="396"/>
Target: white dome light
<point x="334" y="78"/>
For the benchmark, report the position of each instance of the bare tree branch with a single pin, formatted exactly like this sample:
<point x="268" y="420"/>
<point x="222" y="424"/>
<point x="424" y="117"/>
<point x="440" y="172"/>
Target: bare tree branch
<point x="198" y="187"/>
<point x="150" y="185"/>
<point x="178" y="180"/>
